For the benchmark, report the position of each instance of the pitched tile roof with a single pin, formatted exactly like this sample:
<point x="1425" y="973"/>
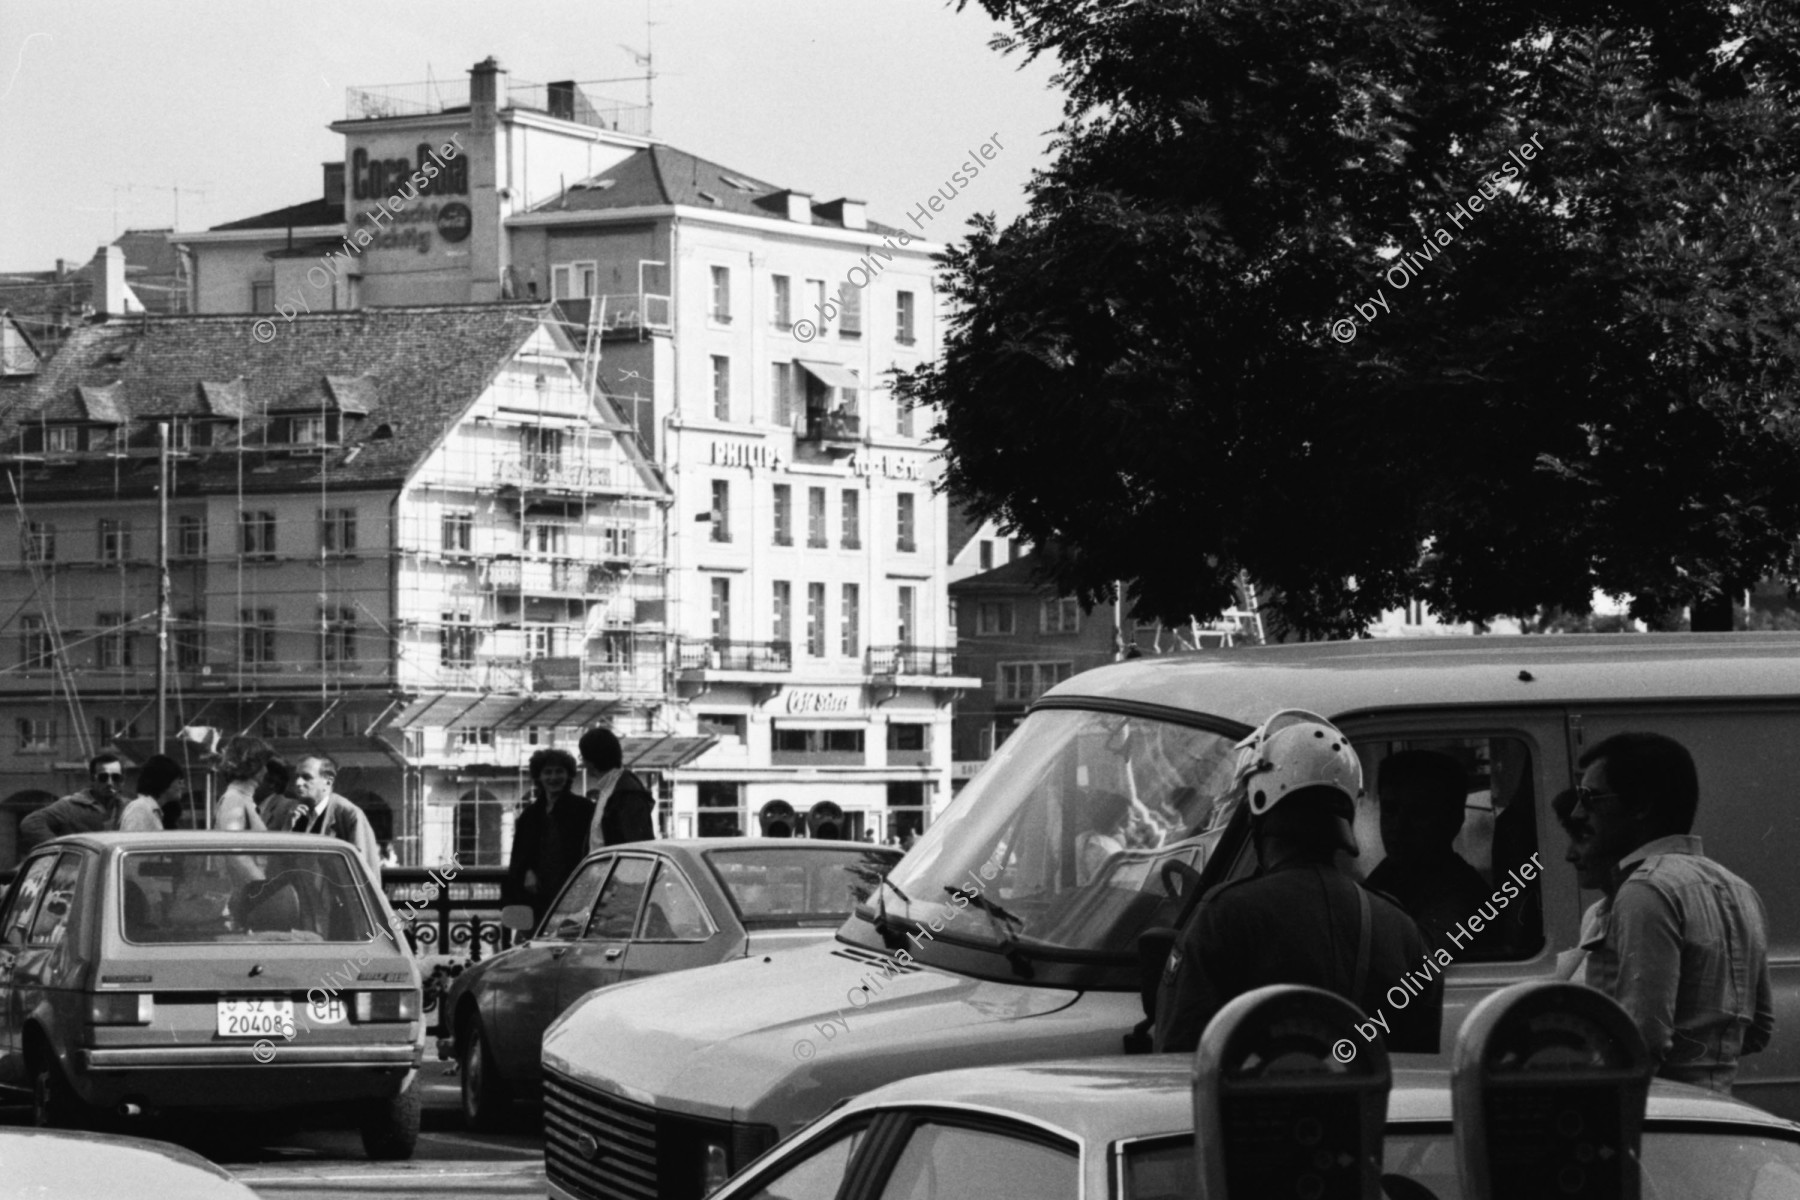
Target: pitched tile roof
<point x="963" y="528"/>
<point x="313" y="212"/>
<point x="1022" y="574"/>
<point x="661" y="175"/>
<point x="412" y="370"/>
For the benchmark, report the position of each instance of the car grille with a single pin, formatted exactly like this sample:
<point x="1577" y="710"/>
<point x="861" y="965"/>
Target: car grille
<point x="604" y="1148"/>
<point x="619" y="1137"/>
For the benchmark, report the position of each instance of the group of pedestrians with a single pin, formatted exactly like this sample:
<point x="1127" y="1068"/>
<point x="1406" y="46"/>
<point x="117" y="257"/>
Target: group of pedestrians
<point x="553" y="833"/>
<point x="1679" y="941"/>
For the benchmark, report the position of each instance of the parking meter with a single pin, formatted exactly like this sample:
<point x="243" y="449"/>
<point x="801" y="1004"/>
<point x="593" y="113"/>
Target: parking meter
<point x="824" y="820"/>
<point x="1281" y="1108"/>
<point x="776" y="818"/>
<point x="1548" y="1086"/>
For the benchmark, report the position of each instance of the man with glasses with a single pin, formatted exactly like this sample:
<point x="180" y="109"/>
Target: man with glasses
<point x="1680" y="942"/>
<point x="91" y="810"/>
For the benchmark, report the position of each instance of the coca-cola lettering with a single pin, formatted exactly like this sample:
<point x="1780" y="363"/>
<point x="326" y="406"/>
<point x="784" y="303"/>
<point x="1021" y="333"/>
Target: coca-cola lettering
<point x="378" y="178"/>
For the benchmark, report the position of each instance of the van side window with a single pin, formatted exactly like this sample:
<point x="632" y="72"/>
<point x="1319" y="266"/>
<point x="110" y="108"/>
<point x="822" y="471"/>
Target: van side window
<point x="1444" y="825"/>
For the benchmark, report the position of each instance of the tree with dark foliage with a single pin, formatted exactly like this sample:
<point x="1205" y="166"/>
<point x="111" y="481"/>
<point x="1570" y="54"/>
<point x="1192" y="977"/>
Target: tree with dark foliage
<point x="1564" y="236"/>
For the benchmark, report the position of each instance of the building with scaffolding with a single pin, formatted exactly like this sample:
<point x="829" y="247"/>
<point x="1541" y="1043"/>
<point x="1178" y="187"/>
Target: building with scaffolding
<point x="746" y="332"/>
<point x="413" y="538"/>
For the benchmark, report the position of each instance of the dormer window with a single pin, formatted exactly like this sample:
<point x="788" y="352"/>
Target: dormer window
<point x="308" y="431"/>
<point x="189" y="434"/>
<point x="62" y="439"/>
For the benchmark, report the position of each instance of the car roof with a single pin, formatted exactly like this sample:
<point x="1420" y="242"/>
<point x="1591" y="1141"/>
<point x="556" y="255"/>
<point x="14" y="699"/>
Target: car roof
<point x="1338" y="679"/>
<point x="708" y="845"/>
<point x="1102" y="1100"/>
<point x="214" y="840"/>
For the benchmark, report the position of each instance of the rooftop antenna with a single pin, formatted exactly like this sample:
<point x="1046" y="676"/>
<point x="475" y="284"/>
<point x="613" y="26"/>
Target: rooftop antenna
<point x="646" y="60"/>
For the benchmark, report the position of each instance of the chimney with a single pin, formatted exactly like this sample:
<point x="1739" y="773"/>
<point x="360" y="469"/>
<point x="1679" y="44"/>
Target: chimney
<point x="799" y="206"/>
<point x="851" y="214"/>
<point x="334" y="184"/>
<point x="62" y="269"/>
<point x="487" y="93"/>
<point x="107" y="281"/>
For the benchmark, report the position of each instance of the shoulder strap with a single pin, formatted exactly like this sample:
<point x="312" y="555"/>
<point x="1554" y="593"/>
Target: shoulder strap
<point x="1364" y="931"/>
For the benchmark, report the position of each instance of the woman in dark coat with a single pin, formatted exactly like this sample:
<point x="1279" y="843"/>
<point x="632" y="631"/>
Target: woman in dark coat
<point x="551" y="836"/>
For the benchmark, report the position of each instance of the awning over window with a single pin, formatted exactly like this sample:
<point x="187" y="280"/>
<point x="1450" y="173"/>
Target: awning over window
<point x="830" y="374"/>
<point x="463" y="710"/>
<point x="655" y="752"/>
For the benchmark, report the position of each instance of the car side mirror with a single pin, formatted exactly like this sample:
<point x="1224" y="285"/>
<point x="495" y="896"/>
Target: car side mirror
<point x="518" y="918"/>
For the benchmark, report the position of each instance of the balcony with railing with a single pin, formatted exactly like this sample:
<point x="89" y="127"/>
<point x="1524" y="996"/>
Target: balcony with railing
<point x="724" y="654"/>
<point x="832" y="429"/>
<point x="911" y="660"/>
<point x="551" y="577"/>
<point x="568" y="100"/>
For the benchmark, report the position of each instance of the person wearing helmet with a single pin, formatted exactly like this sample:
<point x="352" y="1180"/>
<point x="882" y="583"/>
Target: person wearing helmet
<point x="1299" y="919"/>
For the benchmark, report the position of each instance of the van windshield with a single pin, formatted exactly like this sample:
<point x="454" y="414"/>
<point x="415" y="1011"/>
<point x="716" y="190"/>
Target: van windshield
<point x="1060" y="843"/>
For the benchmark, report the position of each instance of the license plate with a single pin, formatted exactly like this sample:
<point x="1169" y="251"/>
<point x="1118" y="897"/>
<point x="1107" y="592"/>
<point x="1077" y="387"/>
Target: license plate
<point x="329" y="1011"/>
<point x="256" y="1018"/>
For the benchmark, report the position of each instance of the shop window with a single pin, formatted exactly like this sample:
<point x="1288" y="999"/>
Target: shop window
<point x="721" y="809"/>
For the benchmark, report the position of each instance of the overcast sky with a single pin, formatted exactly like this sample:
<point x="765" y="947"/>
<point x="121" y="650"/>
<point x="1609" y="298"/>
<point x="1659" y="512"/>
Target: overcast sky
<point x="875" y="99"/>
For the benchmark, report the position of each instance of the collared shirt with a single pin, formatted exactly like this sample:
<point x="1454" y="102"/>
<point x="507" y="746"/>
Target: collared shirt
<point x="142" y="815"/>
<point x="1682" y="945"/>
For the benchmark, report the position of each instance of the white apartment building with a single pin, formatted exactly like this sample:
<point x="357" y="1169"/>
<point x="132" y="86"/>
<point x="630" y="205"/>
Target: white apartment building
<point x="747" y="332"/>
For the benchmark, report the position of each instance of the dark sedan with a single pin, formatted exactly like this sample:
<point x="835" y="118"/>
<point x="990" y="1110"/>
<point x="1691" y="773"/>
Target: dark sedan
<point x="636" y="910"/>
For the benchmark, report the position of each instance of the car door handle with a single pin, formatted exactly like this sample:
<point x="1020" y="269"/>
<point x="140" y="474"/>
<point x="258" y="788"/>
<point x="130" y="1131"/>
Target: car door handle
<point x="614" y="952"/>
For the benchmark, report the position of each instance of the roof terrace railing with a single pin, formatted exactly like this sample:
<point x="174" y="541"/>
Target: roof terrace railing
<point x="565" y="99"/>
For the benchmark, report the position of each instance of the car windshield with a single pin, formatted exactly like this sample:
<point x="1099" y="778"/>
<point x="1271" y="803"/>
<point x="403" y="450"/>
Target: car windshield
<point x="198" y="896"/>
<point x="1061" y="842"/>
<point x="1725" y="1163"/>
<point x="802" y="885"/>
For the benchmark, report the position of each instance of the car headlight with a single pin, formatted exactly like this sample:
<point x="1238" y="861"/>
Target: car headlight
<point x="389" y="1004"/>
<point x="121" y="1008"/>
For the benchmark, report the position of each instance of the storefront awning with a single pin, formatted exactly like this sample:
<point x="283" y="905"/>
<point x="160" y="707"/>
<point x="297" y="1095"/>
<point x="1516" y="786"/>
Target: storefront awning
<point x="830" y="374"/>
<point x="465" y="710"/>
<point x="656" y="752"/>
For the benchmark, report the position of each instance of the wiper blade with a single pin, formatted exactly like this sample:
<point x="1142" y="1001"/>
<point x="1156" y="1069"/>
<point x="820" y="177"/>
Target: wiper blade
<point x="892" y="936"/>
<point x="1003" y="933"/>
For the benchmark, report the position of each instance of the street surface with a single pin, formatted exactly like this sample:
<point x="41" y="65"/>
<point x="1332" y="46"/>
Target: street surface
<point x="329" y="1164"/>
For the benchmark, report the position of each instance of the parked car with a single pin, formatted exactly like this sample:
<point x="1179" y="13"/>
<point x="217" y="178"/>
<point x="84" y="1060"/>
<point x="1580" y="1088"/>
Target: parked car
<point x="636" y="911"/>
<point x="1124" y="1128"/>
<point x="48" y="1164"/>
<point x="240" y="972"/>
<point x="1003" y="937"/>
